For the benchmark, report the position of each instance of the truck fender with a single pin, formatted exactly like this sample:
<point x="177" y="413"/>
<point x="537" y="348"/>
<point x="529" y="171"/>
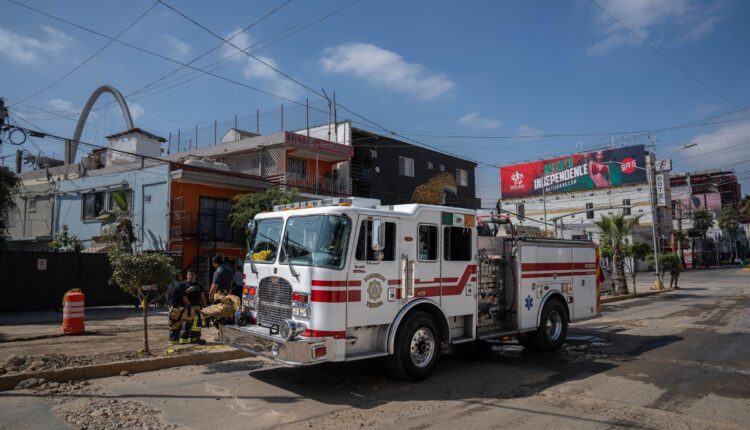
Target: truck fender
<point x="429" y="306"/>
<point x="549" y="295"/>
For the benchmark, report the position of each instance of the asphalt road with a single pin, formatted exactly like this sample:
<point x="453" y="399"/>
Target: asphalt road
<point x="672" y="361"/>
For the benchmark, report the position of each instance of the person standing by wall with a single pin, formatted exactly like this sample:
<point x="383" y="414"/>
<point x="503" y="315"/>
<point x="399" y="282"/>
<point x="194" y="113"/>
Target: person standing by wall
<point x="222" y="280"/>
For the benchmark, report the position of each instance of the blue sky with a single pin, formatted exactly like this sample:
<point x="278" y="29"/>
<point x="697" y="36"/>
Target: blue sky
<point x="523" y="72"/>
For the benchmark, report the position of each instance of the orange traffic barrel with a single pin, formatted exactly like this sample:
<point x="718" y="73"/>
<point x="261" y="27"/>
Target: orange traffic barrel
<point x="72" y="313"/>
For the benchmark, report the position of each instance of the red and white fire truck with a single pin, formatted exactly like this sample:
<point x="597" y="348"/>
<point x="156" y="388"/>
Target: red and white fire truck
<point x="348" y="279"/>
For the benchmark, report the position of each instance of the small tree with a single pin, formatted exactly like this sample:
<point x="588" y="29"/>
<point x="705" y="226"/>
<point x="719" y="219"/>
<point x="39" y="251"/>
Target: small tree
<point x="141" y="274"/>
<point x="729" y="221"/>
<point x="65" y="242"/>
<point x="246" y="206"/>
<point x="636" y="251"/>
<point x="9" y="185"/>
<point x="614" y="229"/>
<point x="672" y="263"/>
<point x="702" y="221"/>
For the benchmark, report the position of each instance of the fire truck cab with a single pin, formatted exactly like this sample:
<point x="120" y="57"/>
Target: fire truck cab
<point x="349" y="279"/>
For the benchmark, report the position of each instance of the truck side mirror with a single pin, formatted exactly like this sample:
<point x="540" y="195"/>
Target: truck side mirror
<point x="250" y="227"/>
<point x="377" y="240"/>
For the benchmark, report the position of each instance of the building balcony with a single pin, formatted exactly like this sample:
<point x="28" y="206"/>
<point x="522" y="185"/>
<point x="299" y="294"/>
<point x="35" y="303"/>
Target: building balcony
<point x="309" y="184"/>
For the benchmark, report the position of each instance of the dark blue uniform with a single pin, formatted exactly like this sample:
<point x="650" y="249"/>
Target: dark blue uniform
<point x="191" y="329"/>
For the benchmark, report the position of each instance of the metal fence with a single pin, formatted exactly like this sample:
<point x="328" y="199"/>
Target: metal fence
<point x="39" y="280"/>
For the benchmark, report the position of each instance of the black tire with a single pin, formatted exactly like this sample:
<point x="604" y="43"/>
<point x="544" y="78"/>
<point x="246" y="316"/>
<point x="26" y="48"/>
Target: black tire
<point x="416" y="349"/>
<point x="552" y="330"/>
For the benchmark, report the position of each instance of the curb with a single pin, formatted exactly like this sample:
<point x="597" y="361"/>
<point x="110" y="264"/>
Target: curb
<point x="103" y="370"/>
<point x="634" y="296"/>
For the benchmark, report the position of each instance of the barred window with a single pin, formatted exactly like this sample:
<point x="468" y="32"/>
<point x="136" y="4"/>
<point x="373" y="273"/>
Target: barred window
<point x="213" y="220"/>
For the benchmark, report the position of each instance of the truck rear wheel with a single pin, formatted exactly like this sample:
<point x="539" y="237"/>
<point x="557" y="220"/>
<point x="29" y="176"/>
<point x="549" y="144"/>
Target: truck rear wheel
<point x="416" y="349"/>
<point x="552" y="330"/>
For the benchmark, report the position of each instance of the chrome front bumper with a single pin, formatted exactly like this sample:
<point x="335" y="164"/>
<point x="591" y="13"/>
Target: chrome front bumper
<point x="257" y="340"/>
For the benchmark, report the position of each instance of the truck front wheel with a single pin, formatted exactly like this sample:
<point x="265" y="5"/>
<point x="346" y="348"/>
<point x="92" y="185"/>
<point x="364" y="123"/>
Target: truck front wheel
<point x="552" y="330"/>
<point x="416" y="349"/>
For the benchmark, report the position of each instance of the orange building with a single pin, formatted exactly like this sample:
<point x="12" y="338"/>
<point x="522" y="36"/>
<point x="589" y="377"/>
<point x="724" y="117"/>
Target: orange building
<point x="201" y="200"/>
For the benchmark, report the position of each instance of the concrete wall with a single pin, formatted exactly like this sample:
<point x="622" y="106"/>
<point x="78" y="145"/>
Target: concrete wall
<point x="32" y="216"/>
<point x="149" y="211"/>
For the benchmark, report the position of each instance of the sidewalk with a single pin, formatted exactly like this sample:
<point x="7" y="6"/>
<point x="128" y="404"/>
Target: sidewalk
<point x="111" y="333"/>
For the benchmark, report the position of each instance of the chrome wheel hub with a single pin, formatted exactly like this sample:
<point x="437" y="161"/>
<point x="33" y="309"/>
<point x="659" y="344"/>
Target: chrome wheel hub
<point x="554" y="325"/>
<point x="422" y="347"/>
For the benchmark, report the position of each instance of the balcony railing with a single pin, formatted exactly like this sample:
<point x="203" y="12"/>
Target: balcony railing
<point x="324" y="186"/>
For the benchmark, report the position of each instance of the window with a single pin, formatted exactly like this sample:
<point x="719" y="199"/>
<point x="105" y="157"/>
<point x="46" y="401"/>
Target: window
<point x="123" y="200"/>
<point x="626" y="209"/>
<point x="589" y="211"/>
<point x="93" y="204"/>
<point x="317" y="240"/>
<point x="297" y="167"/>
<point x="213" y="220"/>
<point x="373" y="153"/>
<point x="264" y="243"/>
<point x="365" y="253"/>
<point x="520" y="210"/>
<point x="442" y="167"/>
<point x="427" y="245"/>
<point x="456" y="244"/>
<point x="462" y="177"/>
<point x="430" y="166"/>
<point x="406" y="166"/>
<point x="32" y="204"/>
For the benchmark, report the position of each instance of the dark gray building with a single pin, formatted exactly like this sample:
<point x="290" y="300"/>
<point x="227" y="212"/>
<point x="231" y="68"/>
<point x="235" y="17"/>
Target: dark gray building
<point x="391" y="170"/>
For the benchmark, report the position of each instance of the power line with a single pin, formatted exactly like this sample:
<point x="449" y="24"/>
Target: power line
<point x="243" y="50"/>
<point x="661" y="54"/>
<point x="245" y="29"/>
<point x="172" y="60"/>
<point x="90" y="57"/>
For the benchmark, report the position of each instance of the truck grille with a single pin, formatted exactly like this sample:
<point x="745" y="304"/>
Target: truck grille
<point x="274" y="301"/>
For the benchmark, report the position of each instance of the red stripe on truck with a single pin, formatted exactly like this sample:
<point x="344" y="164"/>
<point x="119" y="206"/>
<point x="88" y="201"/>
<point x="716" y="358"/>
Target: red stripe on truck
<point x="326" y="283"/>
<point x="336" y="296"/>
<point x="325" y="333"/>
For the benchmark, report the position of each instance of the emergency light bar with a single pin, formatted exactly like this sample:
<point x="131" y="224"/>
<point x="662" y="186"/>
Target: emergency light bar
<point x="333" y="201"/>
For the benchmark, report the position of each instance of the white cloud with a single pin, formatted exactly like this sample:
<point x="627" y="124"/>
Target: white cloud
<point x="61" y="105"/>
<point x="254" y="69"/>
<point x="527" y="131"/>
<point x="690" y="20"/>
<point x="720" y="148"/>
<point x="136" y="111"/>
<point x="386" y="69"/>
<point x="238" y="39"/>
<point x="27" y="50"/>
<point x="179" y="47"/>
<point x="472" y="119"/>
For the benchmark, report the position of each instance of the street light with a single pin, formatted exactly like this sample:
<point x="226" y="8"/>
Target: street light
<point x="652" y="196"/>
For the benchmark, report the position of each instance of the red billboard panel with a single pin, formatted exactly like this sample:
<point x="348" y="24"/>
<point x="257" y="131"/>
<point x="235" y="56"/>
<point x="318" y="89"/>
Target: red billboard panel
<point x="586" y="171"/>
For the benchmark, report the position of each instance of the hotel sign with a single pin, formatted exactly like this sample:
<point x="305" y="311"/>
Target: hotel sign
<point x="316" y="144"/>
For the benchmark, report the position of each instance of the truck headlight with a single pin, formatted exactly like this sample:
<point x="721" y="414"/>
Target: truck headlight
<point x="289" y="329"/>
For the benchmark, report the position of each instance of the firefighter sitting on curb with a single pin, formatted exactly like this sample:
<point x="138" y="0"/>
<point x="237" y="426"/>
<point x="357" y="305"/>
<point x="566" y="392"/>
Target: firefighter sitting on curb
<point x="193" y="298"/>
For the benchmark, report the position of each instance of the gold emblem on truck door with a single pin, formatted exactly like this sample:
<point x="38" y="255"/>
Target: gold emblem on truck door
<point x="374" y="282"/>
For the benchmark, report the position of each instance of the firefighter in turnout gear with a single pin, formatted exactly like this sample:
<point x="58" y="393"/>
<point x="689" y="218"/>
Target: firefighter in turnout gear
<point x="193" y="299"/>
<point x="177" y="313"/>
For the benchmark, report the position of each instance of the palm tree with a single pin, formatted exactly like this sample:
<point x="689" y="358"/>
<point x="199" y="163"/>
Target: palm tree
<point x="614" y="229"/>
<point x="119" y="222"/>
<point x="745" y="208"/>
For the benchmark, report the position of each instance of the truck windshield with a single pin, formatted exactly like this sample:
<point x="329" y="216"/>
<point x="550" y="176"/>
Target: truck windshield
<point x="317" y="240"/>
<point x="263" y="244"/>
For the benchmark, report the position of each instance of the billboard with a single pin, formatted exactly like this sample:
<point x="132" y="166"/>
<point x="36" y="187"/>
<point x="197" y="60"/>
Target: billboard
<point x="605" y="168"/>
